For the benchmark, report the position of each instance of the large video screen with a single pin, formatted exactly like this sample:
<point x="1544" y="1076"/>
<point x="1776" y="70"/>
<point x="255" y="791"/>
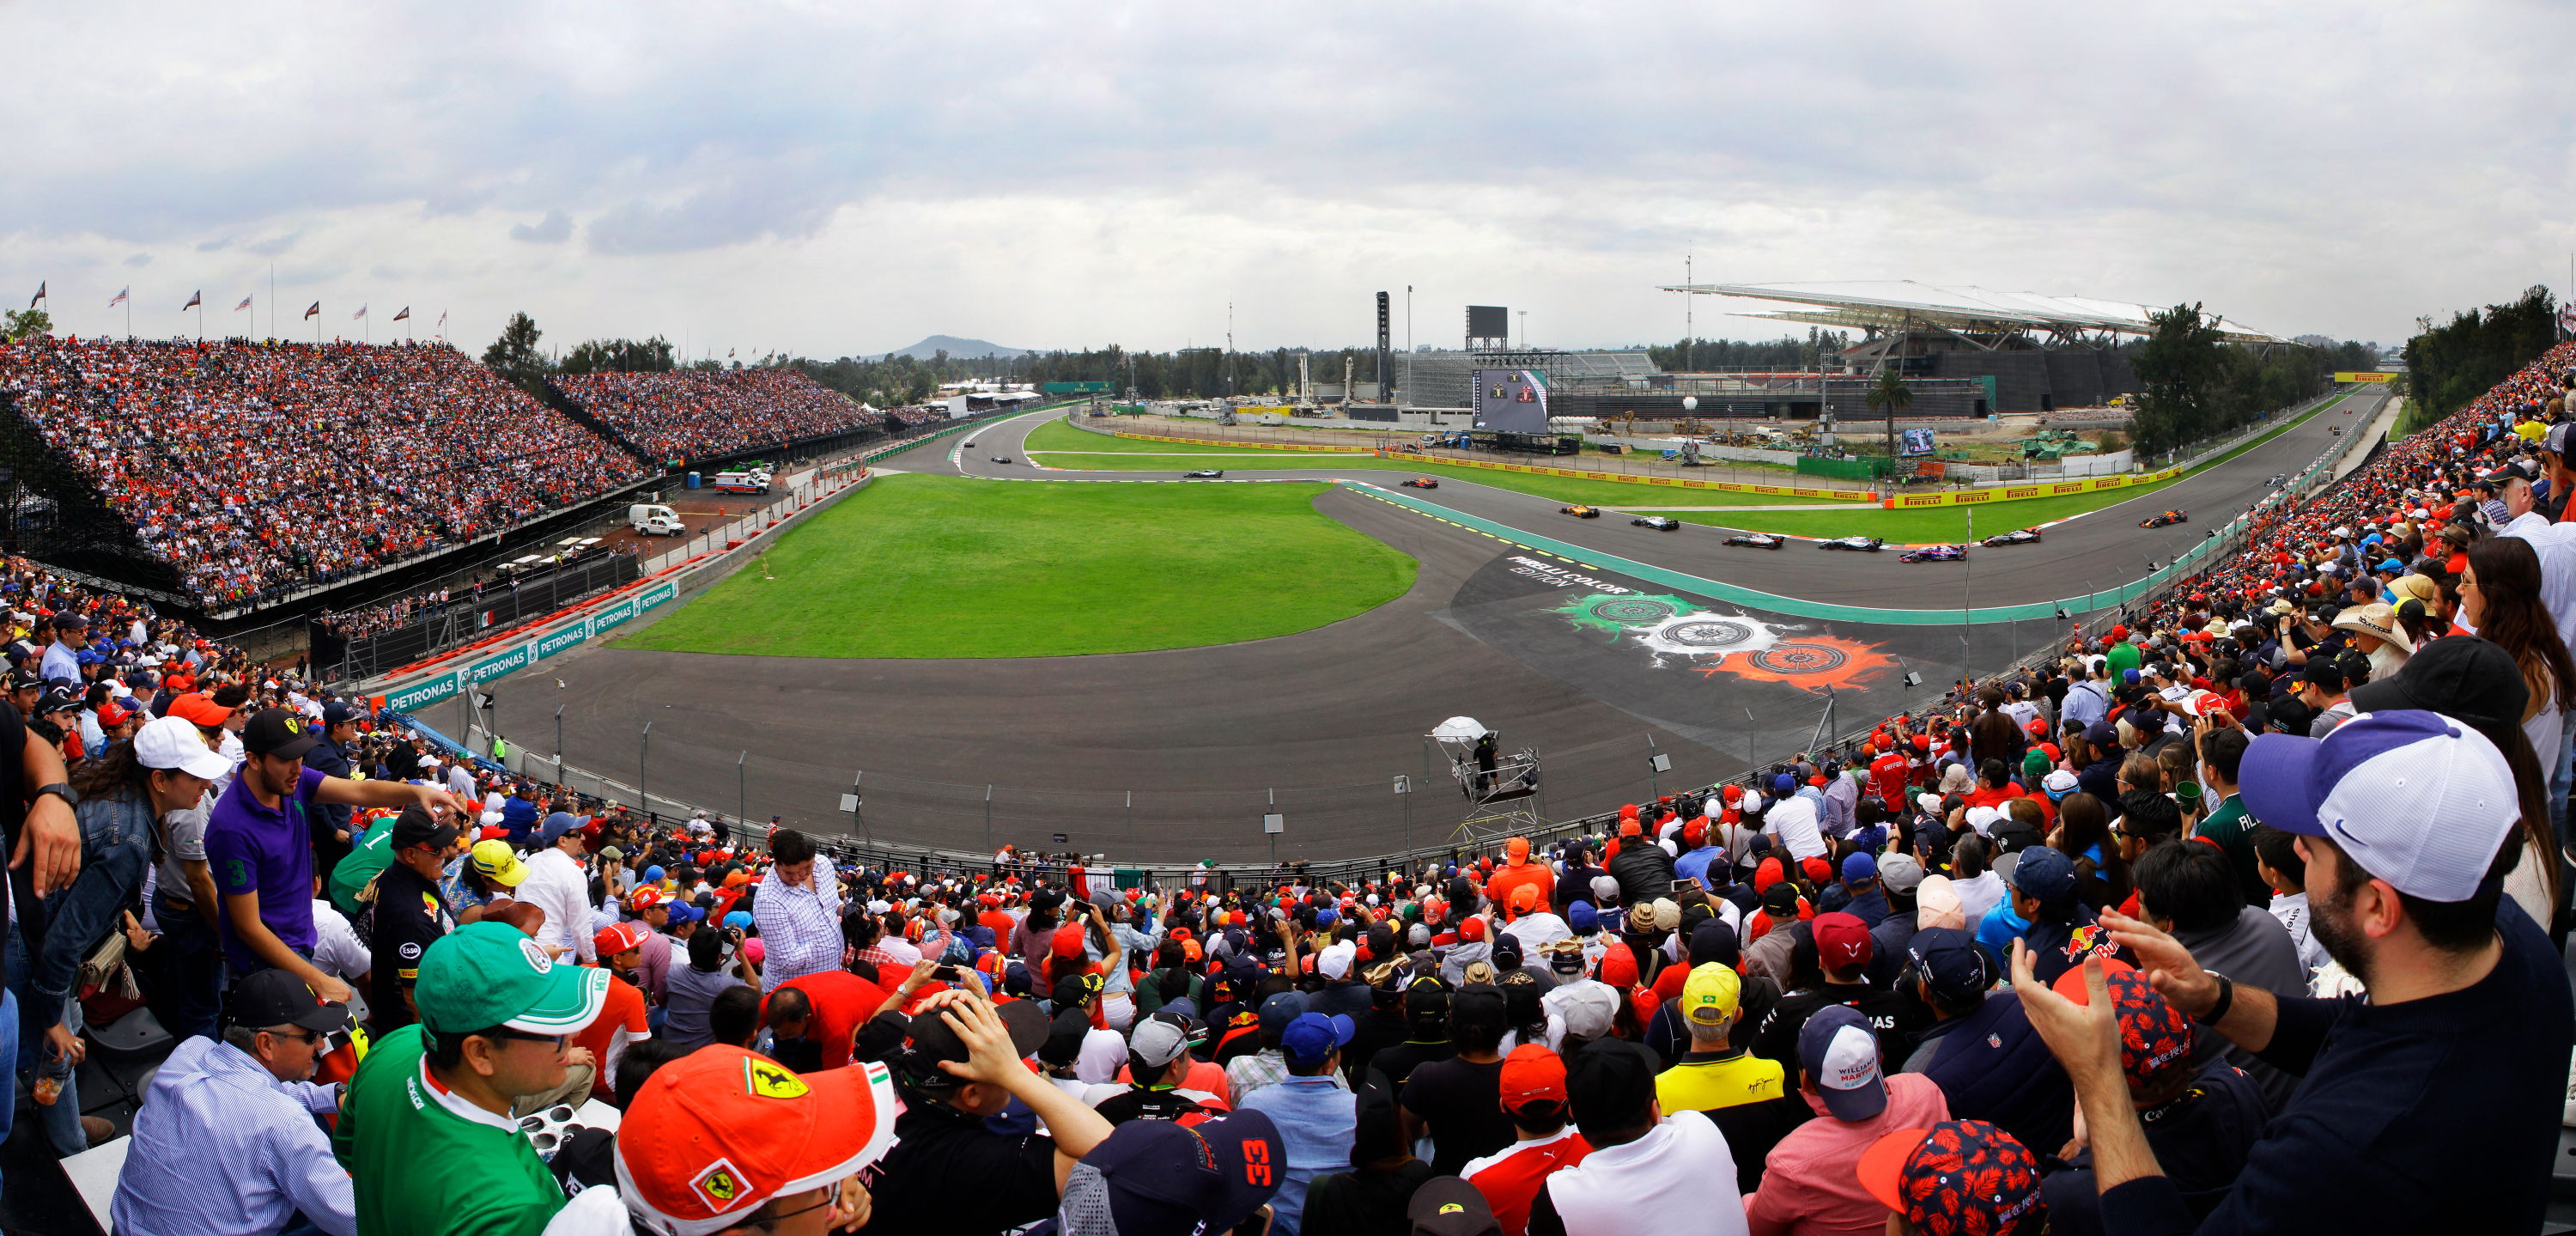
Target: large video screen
<point x="1511" y="401"/>
<point x="1488" y="322"/>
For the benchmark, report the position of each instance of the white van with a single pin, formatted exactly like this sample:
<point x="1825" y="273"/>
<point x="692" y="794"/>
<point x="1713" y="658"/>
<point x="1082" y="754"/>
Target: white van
<point x="741" y="482"/>
<point x="648" y="519"/>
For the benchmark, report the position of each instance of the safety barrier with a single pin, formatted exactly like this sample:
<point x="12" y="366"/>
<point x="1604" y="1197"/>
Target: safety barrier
<point x="1672" y="482"/>
<point x="1249" y="446"/>
<point x="2018" y="493"/>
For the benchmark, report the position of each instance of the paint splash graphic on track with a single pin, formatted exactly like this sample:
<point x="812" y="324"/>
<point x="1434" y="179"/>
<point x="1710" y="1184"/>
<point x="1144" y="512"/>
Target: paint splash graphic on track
<point x="1679" y="633"/>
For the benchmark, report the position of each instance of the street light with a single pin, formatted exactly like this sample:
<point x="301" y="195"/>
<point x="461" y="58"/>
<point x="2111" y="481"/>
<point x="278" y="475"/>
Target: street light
<point x="643" y="801"/>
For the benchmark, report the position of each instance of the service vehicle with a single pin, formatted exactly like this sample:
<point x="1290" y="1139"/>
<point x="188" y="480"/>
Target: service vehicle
<point x="653" y="519"/>
<point x="741" y="483"/>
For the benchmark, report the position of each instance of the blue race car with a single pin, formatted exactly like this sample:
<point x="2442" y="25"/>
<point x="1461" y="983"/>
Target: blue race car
<point x="1935" y="553"/>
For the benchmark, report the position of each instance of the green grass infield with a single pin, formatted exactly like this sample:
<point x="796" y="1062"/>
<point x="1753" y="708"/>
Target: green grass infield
<point x="926" y="566"/>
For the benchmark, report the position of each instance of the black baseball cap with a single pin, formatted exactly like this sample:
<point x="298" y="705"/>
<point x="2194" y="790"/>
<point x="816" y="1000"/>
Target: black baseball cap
<point x="417" y="827"/>
<point x="932" y="1041"/>
<point x="1610" y="1084"/>
<point x="279" y="998"/>
<point x="1449" y="1206"/>
<point x="277" y="732"/>
<point x="2468" y="679"/>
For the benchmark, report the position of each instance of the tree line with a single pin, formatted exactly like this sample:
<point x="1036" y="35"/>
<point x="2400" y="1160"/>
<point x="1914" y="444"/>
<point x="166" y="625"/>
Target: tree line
<point x="2447" y="366"/>
<point x="2193" y="384"/>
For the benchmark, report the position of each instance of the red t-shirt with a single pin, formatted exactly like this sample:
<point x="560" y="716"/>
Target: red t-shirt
<point x="842" y="1003"/>
<point x="1510" y="1178"/>
<point x="623" y="1010"/>
<point x="1887" y="778"/>
<point x="1985" y="797"/>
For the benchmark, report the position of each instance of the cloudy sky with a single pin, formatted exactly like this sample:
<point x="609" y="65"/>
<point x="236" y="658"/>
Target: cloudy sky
<point x="831" y="178"/>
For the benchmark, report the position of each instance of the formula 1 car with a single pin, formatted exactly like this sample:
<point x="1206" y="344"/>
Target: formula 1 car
<point x="1422" y="482"/>
<point x="1204" y="474"/>
<point x="2164" y="518"/>
<point x="1001" y="459"/>
<point x="1657" y="522"/>
<point x="1758" y="540"/>
<point x="2278" y="479"/>
<point x="1935" y="553"/>
<point x="1860" y="544"/>
<point x="2018" y="536"/>
<point x="1580" y="512"/>
<point x="970" y="445"/>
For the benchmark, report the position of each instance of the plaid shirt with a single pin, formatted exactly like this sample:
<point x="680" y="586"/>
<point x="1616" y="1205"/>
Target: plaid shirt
<point x="799" y="927"/>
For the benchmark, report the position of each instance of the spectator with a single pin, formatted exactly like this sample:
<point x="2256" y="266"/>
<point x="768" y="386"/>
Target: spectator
<point x="1838" y="959"/>
<point x="1315" y="1113"/>
<point x="621" y="1021"/>
<point x="1375" y="1196"/>
<point x="1247" y="1074"/>
<point x="2415" y="1110"/>
<point x="695" y="987"/>
<point x="1808" y="1185"/>
<point x="1957" y="1176"/>
<point x="799" y="916"/>
<point x="1158" y="1070"/>
<point x="1153" y="1176"/>
<point x="1646" y="1168"/>
<point x="1533" y="1095"/>
<point x="950" y="1169"/>
<point x="409" y="916"/>
<point x="1454" y="1101"/>
<point x="1744" y="1094"/>
<point x="557" y="884"/>
<point x="2188" y="891"/>
<point x="1981" y="1049"/>
<point x="246" y="1102"/>
<point x="494" y="1013"/>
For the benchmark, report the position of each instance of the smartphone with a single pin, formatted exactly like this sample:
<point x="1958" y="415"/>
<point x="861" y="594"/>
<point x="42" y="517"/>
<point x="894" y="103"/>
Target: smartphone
<point x="1689" y="885"/>
<point x="945" y="974"/>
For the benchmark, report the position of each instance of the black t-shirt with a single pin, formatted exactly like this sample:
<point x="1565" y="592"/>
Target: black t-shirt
<point x="1462" y="1102"/>
<point x="948" y="1173"/>
<point x="1752" y="1129"/>
<point x="13" y="808"/>
<point x="1398" y="1062"/>
<point x="1139" y="1103"/>
<point x="1365" y="1203"/>
<point x="410" y="915"/>
<point x="1886" y="1011"/>
<point x="2200" y="1140"/>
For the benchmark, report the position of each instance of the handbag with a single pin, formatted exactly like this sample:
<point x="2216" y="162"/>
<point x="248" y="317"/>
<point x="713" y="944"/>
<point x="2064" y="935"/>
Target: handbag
<point x="106" y="988"/>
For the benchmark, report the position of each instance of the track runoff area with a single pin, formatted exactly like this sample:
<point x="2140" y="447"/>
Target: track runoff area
<point x="1143" y="658"/>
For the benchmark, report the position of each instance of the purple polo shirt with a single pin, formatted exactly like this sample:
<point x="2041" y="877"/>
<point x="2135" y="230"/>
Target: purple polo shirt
<point x="252" y="849"/>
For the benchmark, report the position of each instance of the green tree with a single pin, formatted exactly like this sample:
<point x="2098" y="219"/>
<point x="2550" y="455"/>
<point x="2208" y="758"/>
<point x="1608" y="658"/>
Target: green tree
<point x="22" y="323"/>
<point x="652" y="355"/>
<point x="2448" y="366"/>
<point x="1891" y="395"/>
<point x="515" y="356"/>
<point x="2178" y="371"/>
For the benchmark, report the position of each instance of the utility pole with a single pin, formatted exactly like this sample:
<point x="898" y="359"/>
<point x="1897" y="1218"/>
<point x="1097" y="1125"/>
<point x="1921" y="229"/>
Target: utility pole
<point x="1690" y="332"/>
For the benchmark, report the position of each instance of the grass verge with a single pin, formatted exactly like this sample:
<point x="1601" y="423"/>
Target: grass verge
<point x="927" y="566"/>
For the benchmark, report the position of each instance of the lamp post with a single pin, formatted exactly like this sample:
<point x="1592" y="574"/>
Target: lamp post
<point x="741" y="789"/>
<point x="559" y="755"/>
<point x="643" y="801"/>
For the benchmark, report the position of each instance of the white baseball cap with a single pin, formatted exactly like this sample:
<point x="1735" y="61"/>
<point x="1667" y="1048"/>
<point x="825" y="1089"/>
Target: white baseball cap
<point x="2415" y="798"/>
<point x="172" y="742"/>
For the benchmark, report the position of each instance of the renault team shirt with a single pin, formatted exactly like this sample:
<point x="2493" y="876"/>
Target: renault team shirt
<point x="252" y="849"/>
<point x="426" y="1161"/>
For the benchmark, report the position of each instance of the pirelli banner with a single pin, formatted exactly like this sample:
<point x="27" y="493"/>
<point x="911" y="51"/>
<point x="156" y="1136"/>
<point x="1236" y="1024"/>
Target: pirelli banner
<point x="2018" y="493"/>
<point x="1673" y="482"/>
<point x="444" y="684"/>
<point x="2365" y="377"/>
<point x="1249" y="446"/>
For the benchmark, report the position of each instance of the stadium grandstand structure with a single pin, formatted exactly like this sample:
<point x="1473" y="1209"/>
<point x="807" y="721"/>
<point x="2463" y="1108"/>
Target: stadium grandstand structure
<point x="230" y="476"/>
<point x="2037" y="353"/>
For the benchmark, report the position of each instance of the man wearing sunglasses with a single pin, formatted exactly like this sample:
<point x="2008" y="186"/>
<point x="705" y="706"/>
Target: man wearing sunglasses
<point x="426" y="1129"/>
<point x="244" y="1099"/>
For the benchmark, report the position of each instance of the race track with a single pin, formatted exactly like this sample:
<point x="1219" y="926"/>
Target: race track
<point x="1177" y="755"/>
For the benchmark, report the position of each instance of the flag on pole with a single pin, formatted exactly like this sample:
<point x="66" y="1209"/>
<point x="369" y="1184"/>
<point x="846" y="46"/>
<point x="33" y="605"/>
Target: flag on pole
<point x="315" y="311"/>
<point x="728" y="353"/>
<point x="244" y="305"/>
<point x="119" y="298"/>
<point x="194" y="299"/>
<point x="362" y="312"/>
<point x="40" y="295"/>
<point x="406" y="312"/>
<point x="442" y="318"/>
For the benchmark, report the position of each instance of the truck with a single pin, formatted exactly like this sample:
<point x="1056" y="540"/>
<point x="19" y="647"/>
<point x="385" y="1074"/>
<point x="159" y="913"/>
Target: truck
<point x="741" y="482"/>
<point x="650" y="519"/>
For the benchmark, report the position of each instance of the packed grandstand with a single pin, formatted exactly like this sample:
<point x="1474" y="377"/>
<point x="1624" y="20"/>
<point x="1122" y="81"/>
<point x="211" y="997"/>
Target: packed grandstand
<point x="251" y="470"/>
<point x="1965" y="971"/>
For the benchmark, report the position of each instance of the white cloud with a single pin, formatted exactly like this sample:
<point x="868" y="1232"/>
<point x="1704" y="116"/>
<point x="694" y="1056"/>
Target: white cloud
<point x="828" y="180"/>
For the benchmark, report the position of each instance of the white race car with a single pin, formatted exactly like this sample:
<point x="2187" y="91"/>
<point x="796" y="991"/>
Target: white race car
<point x="2018" y="536"/>
<point x="1860" y="544"/>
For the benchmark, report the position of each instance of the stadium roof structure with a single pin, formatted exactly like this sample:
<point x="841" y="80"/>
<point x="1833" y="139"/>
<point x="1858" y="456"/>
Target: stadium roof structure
<point x="1888" y="306"/>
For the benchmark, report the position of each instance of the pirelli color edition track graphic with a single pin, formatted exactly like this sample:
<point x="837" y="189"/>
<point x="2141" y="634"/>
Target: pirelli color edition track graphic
<point x="1681" y="634"/>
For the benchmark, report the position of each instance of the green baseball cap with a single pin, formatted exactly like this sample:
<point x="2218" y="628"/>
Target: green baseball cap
<point x="491" y="974"/>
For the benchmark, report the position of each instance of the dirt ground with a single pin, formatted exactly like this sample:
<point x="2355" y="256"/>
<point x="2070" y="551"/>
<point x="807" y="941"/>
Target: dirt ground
<point x="699" y="510"/>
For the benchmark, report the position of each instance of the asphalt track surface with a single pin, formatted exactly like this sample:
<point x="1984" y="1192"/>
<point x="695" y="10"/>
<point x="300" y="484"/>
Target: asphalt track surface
<point x="1175" y="756"/>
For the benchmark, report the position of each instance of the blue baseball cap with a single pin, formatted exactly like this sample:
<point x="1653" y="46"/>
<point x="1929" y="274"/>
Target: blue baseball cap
<point x="2414" y="798"/>
<point x="1785" y="784"/>
<point x="2044" y="874"/>
<point x="682" y="912"/>
<point x="1583" y="918"/>
<point x="738" y="918"/>
<point x="1282" y="1010"/>
<point x="654" y="874"/>
<point x="1839" y="1050"/>
<point x="1859" y="867"/>
<point x="1313" y="1036"/>
<point x="2129" y="675"/>
<point x="556" y="826"/>
<point x="1950" y="962"/>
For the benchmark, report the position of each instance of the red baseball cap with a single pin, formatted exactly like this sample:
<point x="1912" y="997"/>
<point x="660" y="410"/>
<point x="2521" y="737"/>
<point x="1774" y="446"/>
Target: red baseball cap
<point x="1472" y="930"/>
<point x="1842" y="941"/>
<point x="616" y="938"/>
<point x="2154" y="1035"/>
<point x="644" y="899"/>
<point x="1532" y="1074"/>
<point x="734" y="1129"/>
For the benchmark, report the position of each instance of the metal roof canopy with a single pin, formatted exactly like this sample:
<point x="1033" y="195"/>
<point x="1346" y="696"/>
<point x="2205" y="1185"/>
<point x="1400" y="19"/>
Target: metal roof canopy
<point x="1896" y="305"/>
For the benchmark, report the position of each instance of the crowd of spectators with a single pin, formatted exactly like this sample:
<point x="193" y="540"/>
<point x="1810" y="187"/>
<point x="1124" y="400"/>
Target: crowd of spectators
<point x="252" y="468"/>
<point x="686" y="414"/>
<point x="2246" y="916"/>
<point x="914" y="417"/>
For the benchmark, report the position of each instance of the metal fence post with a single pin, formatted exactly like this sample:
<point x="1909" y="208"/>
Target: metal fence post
<point x="643" y="801"/>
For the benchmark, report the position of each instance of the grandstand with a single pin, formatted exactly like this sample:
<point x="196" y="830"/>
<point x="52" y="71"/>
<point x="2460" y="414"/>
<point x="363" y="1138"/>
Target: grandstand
<point x="683" y="416"/>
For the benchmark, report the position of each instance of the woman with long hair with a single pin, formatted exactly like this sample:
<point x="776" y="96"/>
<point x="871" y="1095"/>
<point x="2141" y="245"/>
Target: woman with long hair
<point x="2084" y="835"/>
<point x="2500" y="600"/>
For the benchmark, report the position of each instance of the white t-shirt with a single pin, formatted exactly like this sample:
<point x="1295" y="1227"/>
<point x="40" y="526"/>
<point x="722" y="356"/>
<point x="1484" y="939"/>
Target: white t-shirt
<point x="1669" y="1171"/>
<point x="1793" y="821"/>
<point x="337" y="951"/>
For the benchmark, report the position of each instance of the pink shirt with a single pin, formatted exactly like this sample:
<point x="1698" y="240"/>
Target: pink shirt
<point x="1811" y="1181"/>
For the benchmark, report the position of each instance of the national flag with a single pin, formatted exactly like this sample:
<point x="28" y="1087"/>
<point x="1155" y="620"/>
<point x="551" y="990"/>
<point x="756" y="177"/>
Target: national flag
<point x="362" y="312"/>
<point x="442" y="318"/>
<point x="406" y="312"/>
<point x="315" y="311"/>
<point x="728" y="353"/>
<point x="119" y="298"/>
<point x="194" y="299"/>
<point x="244" y="305"/>
<point x="40" y="295"/>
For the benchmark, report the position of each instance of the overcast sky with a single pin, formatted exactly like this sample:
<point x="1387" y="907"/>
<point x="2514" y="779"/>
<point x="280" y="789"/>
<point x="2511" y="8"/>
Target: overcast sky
<point x="830" y="179"/>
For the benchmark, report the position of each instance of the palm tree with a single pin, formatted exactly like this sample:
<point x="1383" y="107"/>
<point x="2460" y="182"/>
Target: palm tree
<point x="1891" y="396"/>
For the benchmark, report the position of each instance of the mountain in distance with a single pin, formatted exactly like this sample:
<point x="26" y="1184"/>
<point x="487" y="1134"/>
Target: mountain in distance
<point x="956" y="347"/>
